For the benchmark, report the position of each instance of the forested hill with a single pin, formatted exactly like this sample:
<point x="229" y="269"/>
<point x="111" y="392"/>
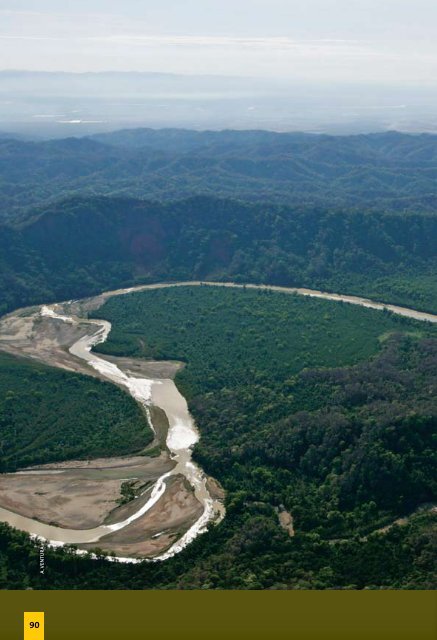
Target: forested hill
<point x="353" y="214"/>
<point x="79" y="246"/>
<point x="386" y="171"/>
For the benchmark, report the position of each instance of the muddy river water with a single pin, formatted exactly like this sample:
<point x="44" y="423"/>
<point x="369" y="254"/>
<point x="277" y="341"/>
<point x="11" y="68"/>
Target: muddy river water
<point x="162" y="393"/>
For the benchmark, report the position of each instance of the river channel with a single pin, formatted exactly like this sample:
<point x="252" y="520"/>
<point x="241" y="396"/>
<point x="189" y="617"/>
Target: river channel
<point x="162" y="393"/>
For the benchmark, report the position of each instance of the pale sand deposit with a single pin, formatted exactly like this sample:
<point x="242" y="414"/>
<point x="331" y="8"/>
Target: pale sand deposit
<point x="165" y="510"/>
<point x="78" y="502"/>
<point x="81" y="495"/>
<point x="154" y="532"/>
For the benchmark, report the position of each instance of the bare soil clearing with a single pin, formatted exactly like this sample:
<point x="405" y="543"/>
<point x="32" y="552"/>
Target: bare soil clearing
<point x="286" y="522"/>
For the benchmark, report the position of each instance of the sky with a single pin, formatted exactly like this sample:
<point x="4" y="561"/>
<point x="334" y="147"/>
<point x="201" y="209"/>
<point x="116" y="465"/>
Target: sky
<point x="388" y="42"/>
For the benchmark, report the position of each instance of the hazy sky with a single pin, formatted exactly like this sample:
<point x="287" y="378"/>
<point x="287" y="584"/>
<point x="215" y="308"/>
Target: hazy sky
<point x="381" y="41"/>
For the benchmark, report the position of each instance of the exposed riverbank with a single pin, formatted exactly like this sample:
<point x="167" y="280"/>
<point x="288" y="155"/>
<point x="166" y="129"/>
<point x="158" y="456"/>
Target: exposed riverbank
<point x="55" y="322"/>
<point x="37" y="335"/>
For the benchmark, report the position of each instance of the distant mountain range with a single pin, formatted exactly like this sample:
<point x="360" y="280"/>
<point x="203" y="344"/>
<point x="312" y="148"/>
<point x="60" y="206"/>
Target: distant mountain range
<point x="383" y="172"/>
<point x="354" y="214"/>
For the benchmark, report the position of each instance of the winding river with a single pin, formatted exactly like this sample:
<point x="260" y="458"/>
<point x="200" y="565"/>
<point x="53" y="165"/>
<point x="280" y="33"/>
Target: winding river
<point x="163" y="393"/>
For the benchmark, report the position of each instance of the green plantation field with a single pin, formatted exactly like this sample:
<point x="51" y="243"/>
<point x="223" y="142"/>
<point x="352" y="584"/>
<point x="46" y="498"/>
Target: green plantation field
<point x="239" y="336"/>
<point x="49" y="415"/>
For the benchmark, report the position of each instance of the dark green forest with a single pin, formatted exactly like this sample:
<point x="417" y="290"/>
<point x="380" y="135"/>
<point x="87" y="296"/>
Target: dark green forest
<point x="323" y="409"/>
<point x="388" y="171"/>
<point x="78" y="247"/>
<point x="354" y="214"/>
<point x="49" y="415"/>
<point x="274" y="410"/>
<point x="248" y="552"/>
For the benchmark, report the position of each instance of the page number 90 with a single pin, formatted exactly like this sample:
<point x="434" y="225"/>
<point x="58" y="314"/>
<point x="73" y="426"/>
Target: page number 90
<point x="33" y="625"/>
